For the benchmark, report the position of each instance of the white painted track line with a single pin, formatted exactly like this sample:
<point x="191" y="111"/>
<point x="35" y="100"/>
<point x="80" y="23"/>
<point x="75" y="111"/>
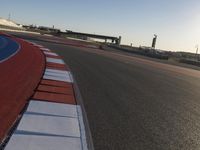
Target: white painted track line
<point x="82" y="128"/>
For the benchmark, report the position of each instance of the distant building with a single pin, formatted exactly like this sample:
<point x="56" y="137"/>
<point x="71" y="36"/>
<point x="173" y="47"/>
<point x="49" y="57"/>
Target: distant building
<point x="29" y="27"/>
<point x="48" y="29"/>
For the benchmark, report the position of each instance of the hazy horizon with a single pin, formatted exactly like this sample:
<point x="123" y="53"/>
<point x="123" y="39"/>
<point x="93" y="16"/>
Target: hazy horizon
<point x="176" y="22"/>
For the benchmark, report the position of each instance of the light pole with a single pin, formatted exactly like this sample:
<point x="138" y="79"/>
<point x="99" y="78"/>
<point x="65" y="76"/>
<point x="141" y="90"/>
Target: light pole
<point x="197" y="46"/>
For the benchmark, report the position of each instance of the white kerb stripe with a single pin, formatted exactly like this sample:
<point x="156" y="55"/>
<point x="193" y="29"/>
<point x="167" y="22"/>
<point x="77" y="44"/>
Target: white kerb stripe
<point x="57" y="78"/>
<point x="38" y="45"/>
<point x="45" y="49"/>
<point x="51" y="108"/>
<point x="47" y="124"/>
<point x="32" y="43"/>
<point x="50" y="53"/>
<point x="57" y="74"/>
<point x="56" y="71"/>
<point x="38" y="142"/>
<point x="71" y="77"/>
<point x="54" y="60"/>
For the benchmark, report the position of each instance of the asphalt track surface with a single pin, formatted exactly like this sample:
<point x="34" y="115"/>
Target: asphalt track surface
<point x="133" y="103"/>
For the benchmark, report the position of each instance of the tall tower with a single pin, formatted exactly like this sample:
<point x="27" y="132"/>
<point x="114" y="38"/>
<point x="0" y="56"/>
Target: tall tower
<point x="120" y="38"/>
<point x="197" y="46"/>
<point x="154" y="41"/>
<point x="9" y="16"/>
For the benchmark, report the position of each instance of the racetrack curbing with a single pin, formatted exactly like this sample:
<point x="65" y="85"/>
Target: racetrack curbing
<point x="20" y="74"/>
<point x="52" y="118"/>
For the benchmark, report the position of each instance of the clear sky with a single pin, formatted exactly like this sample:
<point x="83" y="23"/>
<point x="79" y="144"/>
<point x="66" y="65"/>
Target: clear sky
<point x="176" y="22"/>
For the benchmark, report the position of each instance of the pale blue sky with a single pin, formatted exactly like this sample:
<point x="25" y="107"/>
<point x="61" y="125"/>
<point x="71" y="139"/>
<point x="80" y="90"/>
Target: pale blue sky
<point x="177" y="22"/>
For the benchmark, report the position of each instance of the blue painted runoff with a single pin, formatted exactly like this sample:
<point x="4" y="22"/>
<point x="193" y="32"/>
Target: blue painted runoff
<point x="8" y="47"/>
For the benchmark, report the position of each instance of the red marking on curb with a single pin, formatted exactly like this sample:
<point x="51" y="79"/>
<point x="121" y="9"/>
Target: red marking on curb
<point x="56" y="66"/>
<point x="52" y="97"/>
<point x="55" y="83"/>
<point x="51" y="56"/>
<point x="54" y="89"/>
<point x="49" y="64"/>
